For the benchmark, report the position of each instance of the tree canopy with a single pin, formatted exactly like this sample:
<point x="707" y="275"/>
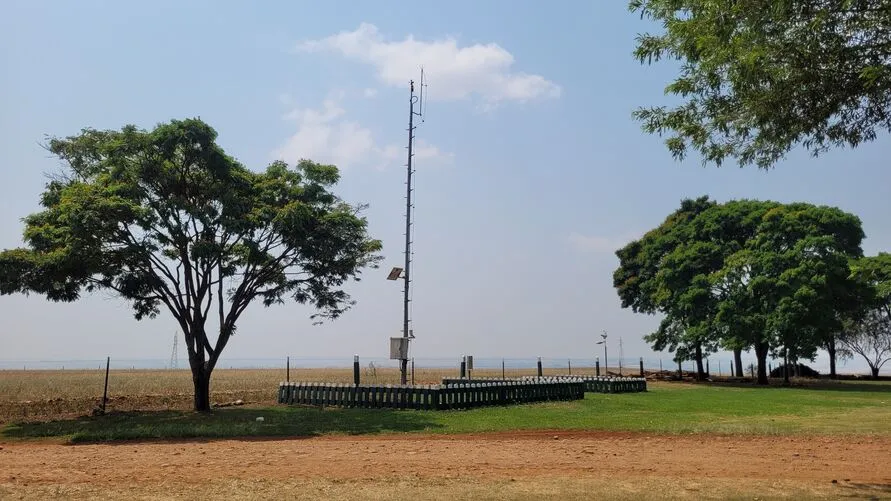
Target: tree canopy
<point x="166" y="220"/>
<point x="741" y="274"/>
<point x="760" y="77"/>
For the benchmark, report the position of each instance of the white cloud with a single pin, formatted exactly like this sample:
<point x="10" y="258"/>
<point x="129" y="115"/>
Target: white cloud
<point x="454" y="72"/>
<point x="324" y="135"/>
<point x="369" y="93"/>
<point x="594" y="243"/>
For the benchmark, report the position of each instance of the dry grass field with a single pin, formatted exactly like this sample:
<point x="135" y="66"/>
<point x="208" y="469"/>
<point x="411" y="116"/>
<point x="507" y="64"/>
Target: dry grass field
<point x="48" y="394"/>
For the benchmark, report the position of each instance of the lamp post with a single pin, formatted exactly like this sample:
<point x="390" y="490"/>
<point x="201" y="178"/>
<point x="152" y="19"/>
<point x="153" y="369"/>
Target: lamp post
<point x="605" y="360"/>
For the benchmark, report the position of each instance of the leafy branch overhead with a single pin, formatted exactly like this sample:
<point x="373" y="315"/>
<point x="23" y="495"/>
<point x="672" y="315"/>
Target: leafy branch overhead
<point x="167" y="220"/>
<point x="760" y="77"/>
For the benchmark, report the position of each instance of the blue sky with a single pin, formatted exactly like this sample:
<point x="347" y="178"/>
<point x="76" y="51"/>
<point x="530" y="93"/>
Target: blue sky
<point x="530" y="170"/>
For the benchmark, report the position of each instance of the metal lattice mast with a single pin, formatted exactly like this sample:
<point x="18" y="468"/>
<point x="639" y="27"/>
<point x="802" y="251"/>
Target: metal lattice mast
<point x="174" y="356"/>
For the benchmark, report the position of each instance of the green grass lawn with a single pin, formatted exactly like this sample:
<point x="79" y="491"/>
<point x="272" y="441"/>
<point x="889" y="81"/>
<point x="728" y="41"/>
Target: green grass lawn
<point x="837" y="408"/>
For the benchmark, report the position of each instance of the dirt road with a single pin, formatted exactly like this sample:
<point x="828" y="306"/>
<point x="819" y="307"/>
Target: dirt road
<point x="502" y="456"/>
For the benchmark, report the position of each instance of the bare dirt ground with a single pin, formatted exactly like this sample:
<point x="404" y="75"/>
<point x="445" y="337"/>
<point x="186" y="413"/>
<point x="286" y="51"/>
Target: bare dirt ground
<point x="517" y="465"/>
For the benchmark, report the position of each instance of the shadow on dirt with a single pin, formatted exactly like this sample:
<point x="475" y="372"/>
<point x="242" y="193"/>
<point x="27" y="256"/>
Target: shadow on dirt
<point x="859" y="490"/>
<point x="228" y="423"/>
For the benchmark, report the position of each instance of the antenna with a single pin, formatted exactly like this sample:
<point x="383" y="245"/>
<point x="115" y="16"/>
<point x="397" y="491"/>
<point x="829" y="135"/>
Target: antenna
<point x="173" y="355"/>
<point x="422" y="103"/>
<point x="407" y="332"/>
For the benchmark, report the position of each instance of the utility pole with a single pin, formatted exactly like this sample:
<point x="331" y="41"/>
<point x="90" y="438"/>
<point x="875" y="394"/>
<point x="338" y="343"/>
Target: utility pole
<point x="605" y="360"/>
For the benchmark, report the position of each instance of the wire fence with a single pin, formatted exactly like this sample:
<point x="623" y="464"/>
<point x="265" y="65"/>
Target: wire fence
<point x="720" y="366"/>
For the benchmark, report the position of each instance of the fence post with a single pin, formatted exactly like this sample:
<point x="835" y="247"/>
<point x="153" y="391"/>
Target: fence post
<point x="356" y="370"/>
<point x="288" y="370"/>
<point x="597" y="366"/>
<point x="502" y="369"/>
<point x="105" y="391"/>
<point x="641" y="367"/>
<point x="463" y="372"/>
<point x="569" y="364"/>
<point x="539" y="367"/>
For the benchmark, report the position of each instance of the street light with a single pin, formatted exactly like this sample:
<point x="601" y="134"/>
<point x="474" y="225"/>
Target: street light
<point x="605" y="361"/>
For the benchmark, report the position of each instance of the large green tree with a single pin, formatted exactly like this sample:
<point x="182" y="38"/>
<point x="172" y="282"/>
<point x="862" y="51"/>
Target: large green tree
<point x="803" y="253"/>
<point x="664" y="272"/>
<point x="744" y="273"/>
<point x="166" y="220"/>
<point x="759" y="77"/>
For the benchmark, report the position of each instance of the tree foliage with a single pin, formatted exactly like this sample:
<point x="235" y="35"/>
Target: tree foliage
<point x="166" y="220"/>
<point x="744" y="274"/>
<point x="759" y="77"/>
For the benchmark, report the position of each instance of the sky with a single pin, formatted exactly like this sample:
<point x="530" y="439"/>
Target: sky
<point x="530" y="171"/>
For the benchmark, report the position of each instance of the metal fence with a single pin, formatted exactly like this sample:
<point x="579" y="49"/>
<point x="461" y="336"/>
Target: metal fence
<point x="593" y="384"/>
<point x="432" y="397"/>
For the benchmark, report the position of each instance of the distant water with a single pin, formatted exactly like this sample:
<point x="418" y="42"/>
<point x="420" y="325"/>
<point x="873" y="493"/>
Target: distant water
<point x="632" y="365"/>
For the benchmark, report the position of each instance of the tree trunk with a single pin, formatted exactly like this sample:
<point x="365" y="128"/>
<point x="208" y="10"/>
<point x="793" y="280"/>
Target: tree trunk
<point x="700" y="371"/>
<point x="737" y="362"/>
<point x="786" y="367"/>
<point x="875" y="372"/>
<point x="761" y="350"/>
<point x="830" y="348"/>
<point x="201" y="382"/>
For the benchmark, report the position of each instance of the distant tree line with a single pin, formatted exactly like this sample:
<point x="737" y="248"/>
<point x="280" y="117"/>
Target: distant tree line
<point x="784" y="280"/>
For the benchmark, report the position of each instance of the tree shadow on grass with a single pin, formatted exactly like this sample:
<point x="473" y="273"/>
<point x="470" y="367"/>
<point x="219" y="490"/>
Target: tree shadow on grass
<point x="230" y="423"/>
<point x="821" y="385"/>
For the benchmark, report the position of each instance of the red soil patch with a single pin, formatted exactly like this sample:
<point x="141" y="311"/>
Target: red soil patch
<point x="491" y="455"/>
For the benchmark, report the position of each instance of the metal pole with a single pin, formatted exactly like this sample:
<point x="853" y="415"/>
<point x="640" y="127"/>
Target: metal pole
<point x="539" y="367"/>
<point x="406" y="297"/>
<point x="412" y="370"/>
<point x="502" y="369"/>
<point x="463" y="372"/>
<point x="288" y="370"/>
<point x="569" y="365"/>
<point x="641" y="367"/>
<point x="597" y="365"/>
<point x="105" y="391"/>
<point x="605" y="360"/>
<point x="356" y="370"/>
